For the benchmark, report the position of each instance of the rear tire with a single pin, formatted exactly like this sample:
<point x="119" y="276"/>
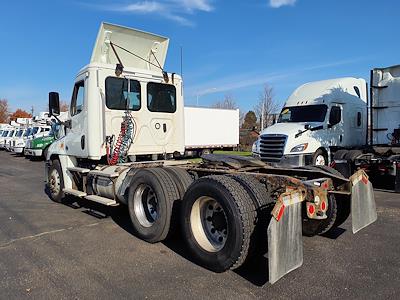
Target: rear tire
<point x="181" y="178"/>
<point x="151" y="199"/>
<point x="312" y="227"/>
<point x="264" y="204"/>
<point x="218" y="218"/>
<point x="352" y="155"/>
<point x="340" y="154"/>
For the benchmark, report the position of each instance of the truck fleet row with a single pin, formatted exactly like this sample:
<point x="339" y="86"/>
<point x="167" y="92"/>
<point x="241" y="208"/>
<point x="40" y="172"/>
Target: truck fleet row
<point x="128" y="126"/>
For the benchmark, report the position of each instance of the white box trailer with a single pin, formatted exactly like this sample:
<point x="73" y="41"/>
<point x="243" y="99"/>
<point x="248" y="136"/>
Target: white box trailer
<point x="208" y="129"/>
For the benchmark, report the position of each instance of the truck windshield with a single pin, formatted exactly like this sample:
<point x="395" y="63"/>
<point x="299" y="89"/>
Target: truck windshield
<point x="28" y="132"/>
<point x="307" y="113"/>
<point x="11" y="133"/>
<point x="19" y="133"/>
<point x="5" y="133"/>
<point x="54" y="129"/>
<point x="34" y="130"/>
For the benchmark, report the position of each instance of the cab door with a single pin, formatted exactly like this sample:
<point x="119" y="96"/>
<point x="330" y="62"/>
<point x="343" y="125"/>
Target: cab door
<point x="336" y="126"/>
<point x="75" y="140"/>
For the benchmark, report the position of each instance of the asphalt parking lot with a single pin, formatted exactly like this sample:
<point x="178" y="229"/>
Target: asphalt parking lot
<point x="54" y="251"/>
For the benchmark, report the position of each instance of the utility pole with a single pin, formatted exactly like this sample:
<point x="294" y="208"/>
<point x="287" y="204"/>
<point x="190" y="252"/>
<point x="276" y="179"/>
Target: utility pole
<point x="262" y="115"/>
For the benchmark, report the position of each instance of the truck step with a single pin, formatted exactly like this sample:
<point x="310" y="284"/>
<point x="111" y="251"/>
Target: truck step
<point x="74" y="192"/>
<point x="78" y="170"/>
<point x="103" y="174"/>
<point x="102" y="200"/>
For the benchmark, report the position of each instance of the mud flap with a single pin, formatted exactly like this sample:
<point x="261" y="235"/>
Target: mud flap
<point x="363" y="208"/>
<point x="285" y="244"/>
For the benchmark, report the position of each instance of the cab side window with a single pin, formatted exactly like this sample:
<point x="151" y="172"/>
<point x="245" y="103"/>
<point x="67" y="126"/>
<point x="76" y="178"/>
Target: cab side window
<point x="335" y="116"/>
<point x="78" y="96"/>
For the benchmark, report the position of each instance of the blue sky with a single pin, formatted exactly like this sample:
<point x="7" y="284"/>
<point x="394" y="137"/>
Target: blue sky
<point x="229" y="47"/>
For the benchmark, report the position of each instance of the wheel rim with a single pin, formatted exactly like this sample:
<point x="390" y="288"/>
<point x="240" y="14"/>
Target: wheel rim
<point x="320" y="160"/>
<point x="145" y="204"/>
<point x="55" y="182"/>
<point x="209" y="224"/>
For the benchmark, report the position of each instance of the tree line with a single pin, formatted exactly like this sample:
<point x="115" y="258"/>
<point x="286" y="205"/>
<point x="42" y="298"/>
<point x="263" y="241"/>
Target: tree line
<point x="6" y="115"/>
<point x="264" y="114"/>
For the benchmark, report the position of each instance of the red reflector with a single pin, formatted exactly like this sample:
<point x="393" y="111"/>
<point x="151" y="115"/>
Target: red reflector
<point x="364" y="180"/>
<point x="323" y="205"/>
<point x="280" y="214"/>
<point x="311" y="209"/>
<point x="325" y="185"/>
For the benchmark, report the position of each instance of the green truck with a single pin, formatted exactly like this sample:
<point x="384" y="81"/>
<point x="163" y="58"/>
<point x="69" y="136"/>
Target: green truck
<point x="38" y="146"/>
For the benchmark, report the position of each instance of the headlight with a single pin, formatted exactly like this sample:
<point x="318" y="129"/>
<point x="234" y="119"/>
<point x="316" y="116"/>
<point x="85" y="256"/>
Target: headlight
<point x="299" y="148"/>
<point x="256" y="147"/>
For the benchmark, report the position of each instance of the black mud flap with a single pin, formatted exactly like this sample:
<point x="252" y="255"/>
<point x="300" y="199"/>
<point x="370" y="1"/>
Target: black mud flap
<point x="285" y="243"/>
<point x="363" y="208"/>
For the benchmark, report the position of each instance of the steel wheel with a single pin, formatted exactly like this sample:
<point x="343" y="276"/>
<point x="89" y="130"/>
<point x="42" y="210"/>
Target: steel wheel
<point x="55" y="182"/>
<point x="320" y="160"/>
<point x="209" y="224"/>
<point x="145" y="204"/>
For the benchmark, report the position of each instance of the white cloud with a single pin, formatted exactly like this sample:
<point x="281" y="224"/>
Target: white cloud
<point x="175" y="10"/>
<point x="235" y="82"/>
<point x="279" y="3"/>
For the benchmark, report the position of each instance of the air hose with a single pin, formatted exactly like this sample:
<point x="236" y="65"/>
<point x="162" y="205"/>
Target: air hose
<point x="118" y="153"/>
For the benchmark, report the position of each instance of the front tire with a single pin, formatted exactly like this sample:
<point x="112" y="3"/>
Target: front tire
<point x="320" y="158"/>
<point x="218" y="219"/>
<point x="55" y="182"/>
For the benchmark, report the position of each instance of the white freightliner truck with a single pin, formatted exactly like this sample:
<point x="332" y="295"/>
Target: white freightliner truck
<point x="125" y="108"/>
<point x="326" y="122"/>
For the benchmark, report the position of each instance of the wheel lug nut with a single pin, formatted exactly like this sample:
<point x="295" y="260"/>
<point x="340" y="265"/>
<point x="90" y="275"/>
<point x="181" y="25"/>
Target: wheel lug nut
<point x="212" y="230"/>
<point x="209" y="219"/>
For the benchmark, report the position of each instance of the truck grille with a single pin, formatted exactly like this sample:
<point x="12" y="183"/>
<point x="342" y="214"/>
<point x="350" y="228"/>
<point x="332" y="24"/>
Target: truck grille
<point x="272" y="147"/>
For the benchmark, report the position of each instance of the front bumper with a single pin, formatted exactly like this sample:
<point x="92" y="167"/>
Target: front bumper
<point x="18" y="150"/>
<point x="291" y="160"/>
<point x="33" y="152"/>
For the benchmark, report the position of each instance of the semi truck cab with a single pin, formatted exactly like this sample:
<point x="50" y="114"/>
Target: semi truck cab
<point x="317" y="119"/>
<point x="102" y="98"/>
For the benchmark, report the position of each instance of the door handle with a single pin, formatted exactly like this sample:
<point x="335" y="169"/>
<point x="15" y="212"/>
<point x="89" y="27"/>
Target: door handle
<point x="165" y="127"/>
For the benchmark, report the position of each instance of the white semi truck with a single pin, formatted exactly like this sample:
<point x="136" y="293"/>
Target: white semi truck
<point x="327" y="122"/>
<point x="125" y="108"/>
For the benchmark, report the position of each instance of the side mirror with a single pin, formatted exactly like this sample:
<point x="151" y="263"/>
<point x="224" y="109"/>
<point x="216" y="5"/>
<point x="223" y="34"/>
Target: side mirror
<point x="54" y="104"/>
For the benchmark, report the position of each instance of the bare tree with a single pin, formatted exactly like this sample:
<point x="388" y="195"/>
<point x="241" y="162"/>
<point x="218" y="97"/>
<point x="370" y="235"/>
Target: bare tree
<point x="228" y="103"/>
<point x="64" y="106"/>
<point x="4" y="111"/>
<point x="267" y="107"/>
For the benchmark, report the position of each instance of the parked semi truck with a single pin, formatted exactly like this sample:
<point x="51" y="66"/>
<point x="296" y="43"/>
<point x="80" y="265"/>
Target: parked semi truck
<point x="340" y="122"/>
<point x="125" y="107"/>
